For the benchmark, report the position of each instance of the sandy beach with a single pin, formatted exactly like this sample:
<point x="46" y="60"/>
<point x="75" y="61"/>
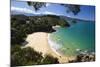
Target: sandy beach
<point x="39" y="41"/>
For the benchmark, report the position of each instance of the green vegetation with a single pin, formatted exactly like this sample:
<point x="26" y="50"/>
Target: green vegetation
<point x="48" y="59"/>
<point x="83" y="58"/>
<point x="28" y="56"/>
<point x="21" y="26"/>
<point x="37" y="5"/>
<point x="75" y="9"/>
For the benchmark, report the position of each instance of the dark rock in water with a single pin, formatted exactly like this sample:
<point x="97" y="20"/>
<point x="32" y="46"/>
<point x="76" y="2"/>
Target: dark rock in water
<point x="79" y="58"/>
<point x="83" y="58"/>
<point x="86" y="58"/>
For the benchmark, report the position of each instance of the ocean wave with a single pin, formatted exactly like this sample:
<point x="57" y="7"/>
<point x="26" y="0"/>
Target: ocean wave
<point x="54" y="46"/>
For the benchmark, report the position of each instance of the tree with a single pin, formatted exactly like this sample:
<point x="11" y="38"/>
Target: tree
<point x="25" y="56"/>
<point x="75" y="9"/>
<point x="36" y="5"/>
<point x="83" y="58"/>
<point x="28" y="56"/>
<point x="50" y="60"/>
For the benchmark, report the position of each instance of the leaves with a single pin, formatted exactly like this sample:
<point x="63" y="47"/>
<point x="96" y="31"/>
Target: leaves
<point x="20" y="28"/>
<point x="36" y="5"/>
<point x="75" y="9"/>
<point x="50" y="60"/>
<point x="28" y="56"/>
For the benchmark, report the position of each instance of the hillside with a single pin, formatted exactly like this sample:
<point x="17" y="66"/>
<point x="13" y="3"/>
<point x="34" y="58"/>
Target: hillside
<point x="22" y="25"/>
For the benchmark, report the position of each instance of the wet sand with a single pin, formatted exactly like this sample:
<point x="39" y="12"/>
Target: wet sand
<point x="39" y="42"/>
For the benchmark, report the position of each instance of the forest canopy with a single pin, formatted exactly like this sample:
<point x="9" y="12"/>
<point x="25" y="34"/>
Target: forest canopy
<point x="20" y="28"/>
<point x="22" y="25"/>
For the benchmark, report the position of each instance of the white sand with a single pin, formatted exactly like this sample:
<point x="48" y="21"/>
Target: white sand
<point x="39" y="41"/>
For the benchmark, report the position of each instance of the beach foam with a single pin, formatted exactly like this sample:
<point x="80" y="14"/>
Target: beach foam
<point x="40" y="42"/>
<point x="54" y="46"/>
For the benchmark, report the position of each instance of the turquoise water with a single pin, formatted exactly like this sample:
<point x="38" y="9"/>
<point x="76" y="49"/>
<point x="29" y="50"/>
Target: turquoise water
<point x="80" y="35"/>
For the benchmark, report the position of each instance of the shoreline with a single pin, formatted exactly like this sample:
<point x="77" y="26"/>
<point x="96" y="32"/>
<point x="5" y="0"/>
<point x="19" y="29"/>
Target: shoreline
<point x="52" y="45"/>
<point x="39" y="41"/>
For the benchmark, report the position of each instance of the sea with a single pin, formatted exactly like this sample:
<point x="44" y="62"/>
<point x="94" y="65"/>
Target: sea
<point x="73" y="40"/>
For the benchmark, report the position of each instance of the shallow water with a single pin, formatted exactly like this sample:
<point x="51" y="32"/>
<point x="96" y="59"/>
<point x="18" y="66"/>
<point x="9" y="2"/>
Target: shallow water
<point x="80" y="36"/>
